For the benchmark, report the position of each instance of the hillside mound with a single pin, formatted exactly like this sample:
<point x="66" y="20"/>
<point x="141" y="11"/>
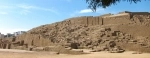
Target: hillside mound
<point x="114" y="33"/>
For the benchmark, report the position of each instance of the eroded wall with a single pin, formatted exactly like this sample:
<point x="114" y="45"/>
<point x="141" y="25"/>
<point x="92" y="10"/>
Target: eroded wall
<point x="117" y="20"/>
<point x="98" y="20"/>
<point x="39" y="40"/>
<point x="84" y="20"/>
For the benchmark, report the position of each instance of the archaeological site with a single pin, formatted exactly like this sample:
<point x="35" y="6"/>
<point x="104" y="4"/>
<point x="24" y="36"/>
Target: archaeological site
<point x="115" y="33"/>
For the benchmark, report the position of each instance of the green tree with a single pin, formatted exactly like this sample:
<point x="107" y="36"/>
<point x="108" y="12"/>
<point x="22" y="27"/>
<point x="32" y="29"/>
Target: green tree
<point x="94" y="4"/>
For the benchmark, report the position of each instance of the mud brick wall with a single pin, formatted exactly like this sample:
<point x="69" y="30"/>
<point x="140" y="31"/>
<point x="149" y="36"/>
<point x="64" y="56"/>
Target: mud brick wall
<point x="140" y="13"/>
<point x="91" y="21"/>
<point x="117" y="20"/>
<point x="37" y="39"/>
<point x="95" y="21"/>
<point x="34" y="39"/>
<point x="38" y="35"/>
<point x="84" y="20"/>
<point x="141" y="19"/>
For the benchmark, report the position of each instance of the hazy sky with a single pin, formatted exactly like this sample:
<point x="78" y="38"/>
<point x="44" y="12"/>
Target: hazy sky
<point x="17" y="15"/>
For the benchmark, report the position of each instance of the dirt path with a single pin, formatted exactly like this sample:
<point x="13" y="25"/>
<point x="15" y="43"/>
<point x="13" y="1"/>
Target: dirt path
<point x="26" y="54"/>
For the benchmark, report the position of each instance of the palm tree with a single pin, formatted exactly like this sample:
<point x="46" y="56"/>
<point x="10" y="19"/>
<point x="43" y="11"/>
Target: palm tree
<point x="94" y="4"/>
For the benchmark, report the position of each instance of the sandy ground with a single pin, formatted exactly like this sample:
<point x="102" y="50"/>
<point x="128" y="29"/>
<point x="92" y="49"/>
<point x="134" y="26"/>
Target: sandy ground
<point x="5" y="53"/>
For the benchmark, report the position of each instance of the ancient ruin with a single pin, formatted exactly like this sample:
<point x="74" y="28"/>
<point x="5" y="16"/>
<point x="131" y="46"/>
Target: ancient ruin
<point x="113" y="33"/>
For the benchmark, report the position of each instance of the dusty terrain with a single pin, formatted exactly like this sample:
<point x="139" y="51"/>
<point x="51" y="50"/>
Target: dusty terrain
<point x="26" y="54"/>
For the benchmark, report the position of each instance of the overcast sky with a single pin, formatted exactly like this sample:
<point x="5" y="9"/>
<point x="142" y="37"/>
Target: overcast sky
<point x="22" y="15"/>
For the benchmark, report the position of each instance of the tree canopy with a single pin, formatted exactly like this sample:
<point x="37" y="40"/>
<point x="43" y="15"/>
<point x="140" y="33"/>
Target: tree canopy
<point x="94" y="4"/>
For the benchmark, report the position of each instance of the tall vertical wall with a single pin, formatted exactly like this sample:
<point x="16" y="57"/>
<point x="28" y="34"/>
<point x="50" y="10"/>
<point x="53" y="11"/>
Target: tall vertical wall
<point x="117" y="20"/>
<point x="91" y="21"/>
<point x="85" y="20"/>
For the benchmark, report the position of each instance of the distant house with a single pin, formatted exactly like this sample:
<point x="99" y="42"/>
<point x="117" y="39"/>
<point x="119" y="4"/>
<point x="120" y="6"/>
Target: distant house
<point x="2" y="35"/>
<point x="18" y="33"/>
<point x="9" y="35"/>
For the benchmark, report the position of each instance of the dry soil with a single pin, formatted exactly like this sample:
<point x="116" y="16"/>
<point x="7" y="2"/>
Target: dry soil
<point x="6" y="53"/>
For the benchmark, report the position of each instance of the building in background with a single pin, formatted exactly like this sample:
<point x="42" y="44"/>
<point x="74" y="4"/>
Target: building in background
<point x="18" y="33"/>
<point x="9" y="35"/>
<point x="2" y="35"/>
